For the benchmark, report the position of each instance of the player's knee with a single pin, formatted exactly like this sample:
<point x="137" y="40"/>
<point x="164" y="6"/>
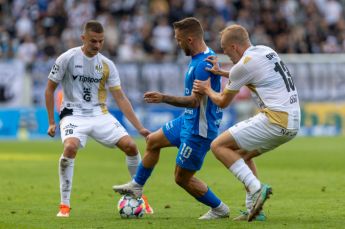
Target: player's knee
<point x="214" y="147"/>
<point x="70" y="149"/>
<point x="151" y="144"/>
<point x="180" y="180"/>
<point x="130" y="148"/>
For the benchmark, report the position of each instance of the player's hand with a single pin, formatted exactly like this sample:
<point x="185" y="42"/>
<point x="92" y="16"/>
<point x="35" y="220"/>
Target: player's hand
<point x="51" y="130"/>
<point x="201" y="87"/>
<point x="214" y="61"/>
<point x="144" y="132"/>
<point x="153" y="97"/>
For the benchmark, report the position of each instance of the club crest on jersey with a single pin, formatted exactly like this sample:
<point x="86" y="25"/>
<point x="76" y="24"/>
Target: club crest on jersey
<point x="99" y="68"/>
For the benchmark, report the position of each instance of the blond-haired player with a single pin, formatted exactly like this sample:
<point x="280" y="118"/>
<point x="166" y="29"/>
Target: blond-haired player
<point x="85" y="75"/>
<point x="263" y="72"/>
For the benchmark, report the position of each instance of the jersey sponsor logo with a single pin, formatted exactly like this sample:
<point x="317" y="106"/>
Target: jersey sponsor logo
<point x="78" y="66"/>
<point x="186" y="91"/>
<point x="87" y="94"/>
<point x="86" y="79"/>
<point x="188" y="111"/>
<point x="219" y="110"/>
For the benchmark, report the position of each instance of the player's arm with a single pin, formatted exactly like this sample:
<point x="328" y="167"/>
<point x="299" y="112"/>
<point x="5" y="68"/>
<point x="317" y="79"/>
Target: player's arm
<point x="127" y="109"/>
<point x="216" y="70"/>
<point x="222" y="99"/>
<point x="49" y="97"/>
<point x="191" y="101"/>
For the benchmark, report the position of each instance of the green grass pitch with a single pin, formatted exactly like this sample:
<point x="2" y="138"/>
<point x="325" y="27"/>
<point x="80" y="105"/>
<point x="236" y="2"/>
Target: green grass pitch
<point x="307" y="176"/>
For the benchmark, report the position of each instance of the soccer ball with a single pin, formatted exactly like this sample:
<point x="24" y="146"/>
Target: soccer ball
<point x="130" y="207"/>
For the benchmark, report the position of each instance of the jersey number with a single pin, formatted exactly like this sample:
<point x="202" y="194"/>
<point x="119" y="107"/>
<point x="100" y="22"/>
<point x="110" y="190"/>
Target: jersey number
<point x="68" y="131"/>
<point x="186" y="151"/>
<point x="284" y="72"/>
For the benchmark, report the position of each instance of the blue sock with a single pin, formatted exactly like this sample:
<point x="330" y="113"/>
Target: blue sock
<point x="209" y="199"/>
<point x="142" y="174"/>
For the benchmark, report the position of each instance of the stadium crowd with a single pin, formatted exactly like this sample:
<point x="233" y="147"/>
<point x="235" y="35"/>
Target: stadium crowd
<point x="139" y="30"/>
<point x="37" y="31"/>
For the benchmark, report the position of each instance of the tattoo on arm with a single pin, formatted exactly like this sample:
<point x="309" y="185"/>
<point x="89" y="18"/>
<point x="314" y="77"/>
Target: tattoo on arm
<point x="181" y="101"/>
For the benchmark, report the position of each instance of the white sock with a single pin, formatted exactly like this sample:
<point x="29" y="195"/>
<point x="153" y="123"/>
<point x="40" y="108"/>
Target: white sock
<point x="66" y="168"/>
<point x="133" y="163"/>
<point x="221" y="208"/>
<point x="243" y="173"/>
<point x="249" y="203"/>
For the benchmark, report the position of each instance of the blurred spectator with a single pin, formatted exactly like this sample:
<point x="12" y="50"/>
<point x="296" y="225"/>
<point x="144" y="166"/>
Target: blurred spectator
<point x="27" y="51"/>
<point x="145" y="26"/>
<point x="142" y="29"/>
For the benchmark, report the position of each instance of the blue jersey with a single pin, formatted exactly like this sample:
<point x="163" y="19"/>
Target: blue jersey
<point x="205" y="119"/>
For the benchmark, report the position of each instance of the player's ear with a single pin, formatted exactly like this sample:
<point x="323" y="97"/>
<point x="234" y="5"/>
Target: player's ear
<point x="82" y="37"/>
<point x="190" y="40"/>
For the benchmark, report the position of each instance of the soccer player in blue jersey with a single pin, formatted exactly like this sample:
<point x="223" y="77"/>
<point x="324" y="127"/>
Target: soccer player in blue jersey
<point x="192" y="132"/>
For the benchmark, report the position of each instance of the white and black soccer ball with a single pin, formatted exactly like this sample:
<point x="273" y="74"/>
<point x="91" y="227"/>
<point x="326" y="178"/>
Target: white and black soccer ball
<point x="130" y="207"/>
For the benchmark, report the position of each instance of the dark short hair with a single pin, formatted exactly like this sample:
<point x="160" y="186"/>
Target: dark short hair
<point x="189" y="25"/>
<point x="93" y="26"/>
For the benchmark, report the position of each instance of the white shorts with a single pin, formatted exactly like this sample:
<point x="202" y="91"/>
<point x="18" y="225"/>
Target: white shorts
<point x="103" y="128"/>
<point x="257" y="133"/>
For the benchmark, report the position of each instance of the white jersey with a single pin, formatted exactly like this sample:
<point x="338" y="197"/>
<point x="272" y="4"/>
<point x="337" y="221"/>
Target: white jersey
<point x="84" y="82"/>
<point x="270" y="83"/>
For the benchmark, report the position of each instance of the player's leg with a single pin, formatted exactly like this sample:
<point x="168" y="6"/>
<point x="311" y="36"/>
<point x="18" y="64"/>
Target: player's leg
<point x="189" y="159"/>
<point x="73" y="135"/>
<point x="155" y="141"/>
<point x="108" y="131"/>
<point x="248" y="199"/>
<point x="201" y="192"/>
<point x="167" y="136"/>
<point x="133" y="157"/>
<point x="254" y="136"/>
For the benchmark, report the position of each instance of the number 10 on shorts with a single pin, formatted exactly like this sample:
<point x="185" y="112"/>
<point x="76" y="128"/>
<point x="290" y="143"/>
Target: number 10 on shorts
<point x="186" y="151"/>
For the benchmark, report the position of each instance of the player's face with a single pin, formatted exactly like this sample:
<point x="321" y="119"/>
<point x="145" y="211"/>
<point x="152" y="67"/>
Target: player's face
<point x="182" y="41"/>
<point x="92" y="43"/>
<point x="230" y="50"/>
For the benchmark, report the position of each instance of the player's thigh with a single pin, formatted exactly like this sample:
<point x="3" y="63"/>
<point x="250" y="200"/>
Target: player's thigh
<point x="192" y="152"/>
<point x="75" y="127"/>
<point x="172" y="131"/>
<point x="225" y="139"/>
<point x="258" y="134"/>
<point x="107" y="130"/>
<point x="157" y="140"/>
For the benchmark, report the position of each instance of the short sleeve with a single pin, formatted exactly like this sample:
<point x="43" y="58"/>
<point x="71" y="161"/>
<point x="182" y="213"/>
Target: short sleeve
<point x="114" y="77"/>
<point x="238" y="77"/>
<point x="59" y="68"/>
<point x="200" y="71"/>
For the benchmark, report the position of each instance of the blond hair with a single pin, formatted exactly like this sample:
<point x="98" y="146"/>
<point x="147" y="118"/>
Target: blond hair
<point x="235" y="34"/>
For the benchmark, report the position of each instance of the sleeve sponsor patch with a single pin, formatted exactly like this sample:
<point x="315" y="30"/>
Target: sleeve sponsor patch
<point x="55" y="69"/>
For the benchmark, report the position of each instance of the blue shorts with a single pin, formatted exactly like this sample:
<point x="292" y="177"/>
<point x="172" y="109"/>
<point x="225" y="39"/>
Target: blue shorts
<point x="192" y="148"/>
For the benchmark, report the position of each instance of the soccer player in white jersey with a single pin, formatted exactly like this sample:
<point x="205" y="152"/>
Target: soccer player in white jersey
<point x="263" y="72"/>
<point x="85" y="75"/>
